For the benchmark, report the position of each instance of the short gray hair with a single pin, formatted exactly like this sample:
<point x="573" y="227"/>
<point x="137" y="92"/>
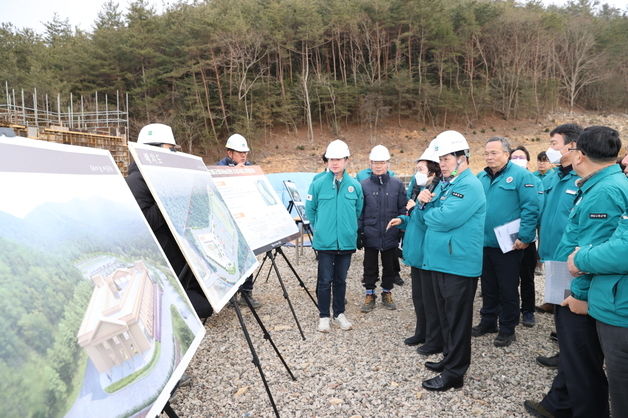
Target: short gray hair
<point x="504" y="141"/>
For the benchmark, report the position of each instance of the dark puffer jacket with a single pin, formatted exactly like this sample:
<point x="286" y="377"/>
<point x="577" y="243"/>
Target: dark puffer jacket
<point x="384" y="199"/>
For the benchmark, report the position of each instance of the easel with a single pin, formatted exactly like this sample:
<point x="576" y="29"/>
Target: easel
<point x="307" y="228"/>
<point x="255" y="360"/>
<point x="272" y="257"/>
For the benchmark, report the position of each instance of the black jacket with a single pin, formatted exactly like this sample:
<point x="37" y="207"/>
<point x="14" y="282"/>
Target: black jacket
<point x="384" y="199"/>
<point x="166" y="240"/>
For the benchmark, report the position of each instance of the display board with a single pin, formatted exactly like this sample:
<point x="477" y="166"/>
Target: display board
<point x="209" y="238"/>
<point x="261" y="215"/>
<point x="295" y="198"/>
<point x="94" y="321"/>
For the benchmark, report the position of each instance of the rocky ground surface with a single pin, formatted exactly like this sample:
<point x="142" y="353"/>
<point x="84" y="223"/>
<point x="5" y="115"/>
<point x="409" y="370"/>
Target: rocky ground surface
<point x="365" y="372"/>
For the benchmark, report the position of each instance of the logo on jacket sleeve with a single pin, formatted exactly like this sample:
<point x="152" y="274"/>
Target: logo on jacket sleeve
<point x="528" y="185"/>
<point x="459" y="195"/>
<point x="350" y="189"/>
<point x="509" y="179"/>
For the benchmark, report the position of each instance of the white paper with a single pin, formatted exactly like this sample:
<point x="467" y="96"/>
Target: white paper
<point x="507" y="235"/>
<point x="557" y="282"/>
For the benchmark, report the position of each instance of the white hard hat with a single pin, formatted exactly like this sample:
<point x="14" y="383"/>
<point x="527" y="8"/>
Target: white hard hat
<point x="430" y="153"/>
<point x="379" y="153"/>
<point x="449" y="142"/>
<point x="337" y="149"/>
<point x="156" y="133"/>
<point x="238" y="143"/>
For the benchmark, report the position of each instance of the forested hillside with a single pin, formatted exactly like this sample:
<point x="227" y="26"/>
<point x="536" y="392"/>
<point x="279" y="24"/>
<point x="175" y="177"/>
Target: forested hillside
<point x="253" y="65"/>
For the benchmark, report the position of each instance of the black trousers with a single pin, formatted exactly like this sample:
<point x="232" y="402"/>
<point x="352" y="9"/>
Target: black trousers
<point x="614" y="342"/>
<point x="247" y="286"/>
<point x="371" y="267"/>
<point x="500" y="289"/>
<point x="454" y="301"/>
<point x="526" y="274"/>
<point x="580" y="388"/>
<point x="424" y="300"/>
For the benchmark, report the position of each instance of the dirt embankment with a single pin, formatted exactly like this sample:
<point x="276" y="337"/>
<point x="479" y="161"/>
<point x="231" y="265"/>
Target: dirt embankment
<point x="282" y="151"/>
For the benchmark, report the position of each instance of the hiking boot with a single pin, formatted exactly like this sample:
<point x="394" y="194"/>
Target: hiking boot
<point x="527" y="319"/>
<point x="323" y="325"/>
<point x="254" y="302"/>
<point x="387" y="301"/>
<point x="369" y="303"/>
<point x="398" y="280"/>
<point x="343" y="322"/>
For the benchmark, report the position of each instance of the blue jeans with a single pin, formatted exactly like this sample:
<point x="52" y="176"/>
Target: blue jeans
<point x="332" y="274"/>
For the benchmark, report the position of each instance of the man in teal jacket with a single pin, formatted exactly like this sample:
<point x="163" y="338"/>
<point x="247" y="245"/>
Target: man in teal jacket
<point x="601" y="201"/>
<point x="511" y="193"/>
<point x="333" y="206"/>
<point x="608" y="303"/>
<point x="454" y="221"/>
<point x="560" y="190"/>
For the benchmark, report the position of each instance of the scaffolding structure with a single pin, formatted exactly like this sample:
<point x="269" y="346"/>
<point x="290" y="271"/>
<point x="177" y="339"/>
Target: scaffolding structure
<point x="89" y="121"/>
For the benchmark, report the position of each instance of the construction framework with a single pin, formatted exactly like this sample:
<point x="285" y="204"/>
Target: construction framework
<point x="91" y="122"/>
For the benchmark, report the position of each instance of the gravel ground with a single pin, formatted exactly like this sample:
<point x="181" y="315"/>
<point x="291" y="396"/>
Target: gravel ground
<point x="365" y="372"/>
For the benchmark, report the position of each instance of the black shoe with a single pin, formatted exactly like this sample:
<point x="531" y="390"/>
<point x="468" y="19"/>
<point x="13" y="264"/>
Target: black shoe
<point x="442" y="383"/>
<point x="549" y="362"/>
<point x="554" y="336"/>
<point x="435" y="366"/>
<point x="414" y="340"/>
<point x="504" y="340"/>
<point x="427" y="351"/>
<point x="481" y="329"/>
<point x="398" y="281"/>
<point x="536" y="409"/>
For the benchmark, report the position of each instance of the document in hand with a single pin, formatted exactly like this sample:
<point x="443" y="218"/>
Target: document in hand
<point x="507" y="235"/>
<point x="557" y="282"/>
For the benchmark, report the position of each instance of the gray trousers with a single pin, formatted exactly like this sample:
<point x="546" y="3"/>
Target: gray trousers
<point x="614" y="342"/>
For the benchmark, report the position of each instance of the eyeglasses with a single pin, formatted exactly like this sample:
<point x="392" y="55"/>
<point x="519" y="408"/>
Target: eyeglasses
<point x="576" y="149"/>
<point x="518" y="157"/>
<point x="493" y="153"/>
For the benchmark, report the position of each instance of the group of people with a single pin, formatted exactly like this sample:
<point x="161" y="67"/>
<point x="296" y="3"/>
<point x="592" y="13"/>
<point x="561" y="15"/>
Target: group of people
<point x="574" y="206"/>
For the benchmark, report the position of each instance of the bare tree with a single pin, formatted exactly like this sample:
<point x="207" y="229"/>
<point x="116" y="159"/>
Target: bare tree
<point x="578" y="60"/>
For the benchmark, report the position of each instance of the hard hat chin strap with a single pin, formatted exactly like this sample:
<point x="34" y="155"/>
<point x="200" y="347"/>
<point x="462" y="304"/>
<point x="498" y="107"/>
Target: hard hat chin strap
<point x="455" y="172"/>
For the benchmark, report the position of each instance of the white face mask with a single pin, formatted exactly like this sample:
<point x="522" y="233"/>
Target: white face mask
<point x="420" y="178"/>
<point x="520" y="162"/>
<point x="553" y="155"/>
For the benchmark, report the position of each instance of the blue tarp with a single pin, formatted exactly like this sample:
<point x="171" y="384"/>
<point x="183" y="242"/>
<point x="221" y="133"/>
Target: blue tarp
<point x="302" y="181"/>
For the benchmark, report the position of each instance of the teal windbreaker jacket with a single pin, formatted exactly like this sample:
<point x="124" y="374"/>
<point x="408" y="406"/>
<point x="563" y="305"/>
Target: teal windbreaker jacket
<point x="415" y="229"/>
<point x="334" y="212"/>
<point x="600" y="203"/>
<point x="511" y="195"/>
<point x="560" y="194"/>
<point x="607" y="263"/>
<point x="455" y="225"/>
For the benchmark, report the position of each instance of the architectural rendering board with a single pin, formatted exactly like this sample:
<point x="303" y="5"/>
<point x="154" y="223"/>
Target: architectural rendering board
<point x="209" y="238"/>
<point x="295" y="198"/>
<point x="94" y="321"/>
<point x="261" y="215"/>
